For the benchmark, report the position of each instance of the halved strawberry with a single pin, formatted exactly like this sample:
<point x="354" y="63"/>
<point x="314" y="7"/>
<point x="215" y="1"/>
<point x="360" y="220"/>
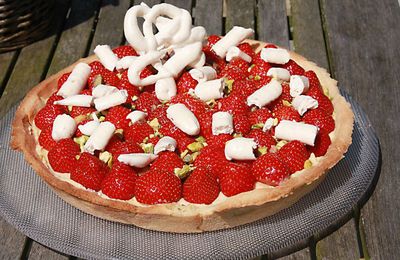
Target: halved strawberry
<point x="167" y="161"/>
<point x="294" y="154"/>
<point x="62" y="156"/>
<point x="236" y="178"/>
<point x="155" y="187"/>
<point x="120" y="182"/>
<point x="89" y="171"/>
<point x="321" y="119"/>
<point x="201" y="187"/>
<point x="269" y="169"/>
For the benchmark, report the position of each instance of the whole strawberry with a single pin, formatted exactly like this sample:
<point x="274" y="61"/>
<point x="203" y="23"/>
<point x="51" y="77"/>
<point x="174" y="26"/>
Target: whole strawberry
<point x="219" y="140"/>
<point x="81" y="111"/>
<point x="62" y="156"/>
<point x="53" y="98"/>
<point x="167" y="161"/>
<point x="321" y="145"/>
<point x="46" y="116"/>
<point x="62" y="79"/>
<point x="147" y="102"/>
<point x="195" y="105"/>
<point x="117" y="116"/>
<point x="287" y="113"/>
<point x="269" y="169"/>
<point x="232" y="72"/>
<point x="321" y="119"/>
<point x="160" y="112"/>
<point x="137" y="132"/>
<point x="125" y="50"/>
<point x="244" y="87"/>
<point x="259" y="116"/>
<point x="169" y="129"/>
<point x="45" y="139"/>
<point x="241" y="124"/>
<point x="120" y="182"/>
<point x="284" y="97"/>
<point x="212" y="157"/>
<point x="183" y="142"/>
<point x="324" y="102"/>
<point x="261" y="138"/>
<point x="234" y="104"/>
<point x="201" y="187"/>
<point x="119" y="148"/>
<point x="294" y="68"/>
<point x="246" y="48"/>
<point x="89" y="171"/>
<point x="185" y="83"/>
<point x="155" y="187"/>
<point x="294" y="154"/>
<point x="235" y="179"/>
<point x="205" y="121"/>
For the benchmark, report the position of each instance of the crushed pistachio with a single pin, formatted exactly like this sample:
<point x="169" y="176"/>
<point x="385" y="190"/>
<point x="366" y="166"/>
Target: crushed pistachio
<point x="80" y="118"/>
<point x="262" y="150"/>
<point x="236" y="135"/>
<point x="276" y="121"/>
<point x="257" y="77"/>
<point x="119" y="131"/>
<point x="147" y="148"/>
<point x="97" y="80"/>
<point x="195" y="146"/>
<point x="106" y="157"/>
<point x="69" y="108"/>
<point x="211" y="103"/>
<point x="194" y="155"/>
<point x="184" y="153"/>
<point x="187" y="158"/>
<point x="102" y="118"/>
<point x="286" y="103"/>
<point x="81" y="141"/>
<point x="228" y="85"/>
<point x="257" y="126"/>
<point x="182" y="172"/>
<point x="200" y="139"/>
<point x="280" y="144"/>
<point x="307" y="164"/>
<point x="155" y="124"/>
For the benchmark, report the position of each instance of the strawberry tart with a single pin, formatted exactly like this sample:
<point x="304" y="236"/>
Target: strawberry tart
<point x="181" y="132"/>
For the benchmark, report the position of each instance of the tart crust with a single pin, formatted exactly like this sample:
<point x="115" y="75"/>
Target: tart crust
<point x="173" y="217"/>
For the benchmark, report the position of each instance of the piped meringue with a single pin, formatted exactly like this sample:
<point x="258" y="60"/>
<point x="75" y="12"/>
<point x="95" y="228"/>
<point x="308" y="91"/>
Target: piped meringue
<point x="76" y="81"/>
<point x="273" y="55"/>
<point x="303" y="103"/>
<point x="183" y="118"/>
<point x="76" y="100"/>
<point x="100" y="137"/>
<point x="64" y="126"/>
<point x="112" y="100"/>
<point x="265" y="94"/>
<point x="106" y="56"/>
<point x="213" y="89"/>
<point x="138" y="160"/>
<point x="166" y="143"/>
<point x="235" y="36"/>
<point x="222" y="123"/>
<point x="240" y="148"/>
<point x="291" y="130"/>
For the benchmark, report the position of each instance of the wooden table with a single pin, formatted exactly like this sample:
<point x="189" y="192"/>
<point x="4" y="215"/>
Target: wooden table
<point x="357" y="41"/>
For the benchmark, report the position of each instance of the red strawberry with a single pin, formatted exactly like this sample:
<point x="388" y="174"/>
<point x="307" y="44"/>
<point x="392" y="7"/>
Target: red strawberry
<point x="137" y="132"/>
<point x="133" y="91"/>
<point x="324" y="102"/>
<point x="294" y="154"/>
<point x="219" y="140"/>
<point x="293" y="68"/>
<point x="96" y="69"/>
<point x="260" y="69"/>
<point x="260" y="81"/>
<point x="232" y="72"/>
<point x="78" y="132"/>
<point x="78" y="111"/>
<point x="169" y="129"/>
<point x="241" y="124"/>
<point x="147" y="102"/>
<point x="110" y="78"/>
<point x="212" y="157"/>
<point x="45" y="139"/>
<point x="241" y="64"/>
<point x="89" y="171"/>
<point x="167" y="161"/>
<point x="52" y="99"/>
<point x="235" y="179"/>
<point x="234" y="104"/>
<point x="321" y="145"/>
<point x="287" y="113"/>
<point x="62" y="156"/>
<point x="259" y="116"/>
<point x="205" y="121"/>
<point x="117" y="116"/>
<point x="120" y="182"/>
<point x="125" y="50"/>
<point x="210" y="54"/>
<point x="243" y="87"/>
<point x="117" y="148"/>
<point x="148" y="71"/>
<point x="201" y="187"/>
<point x="285" y="96"/>
<point x="269" y="169"/>
<point x="212" y="39"/>
<point x="314" y="84"/>
<point x="153" y="140"/>
<point x="160" y="112"/>
<point x="197" y="106"/>
<point x="263" y="139"/>
<point x="156" y="187"/>
<point x="62" y="79"/>
<point x="319" y="118"/>
<point x="46" y="116"/>
<point x="270" y="45"/>
<point x="183" y="142"/>
<point x="113" y="144"/>
<point x="246" y="48"/>
<point x="185" y="83"/>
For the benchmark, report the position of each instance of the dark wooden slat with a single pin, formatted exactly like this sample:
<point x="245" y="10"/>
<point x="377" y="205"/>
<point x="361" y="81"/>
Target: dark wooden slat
<point x="40" y="252"/>
<point x="363" y="40"/>
<point x="272" y="22"/>
<point x="185" y="4"/>
<point x="299" y="255"/>
<point x="31" y="63"/>
<point x="208" y="13"/>
<point x="73" y="41"/>
<point x="308" y="36"/>
<point x="11" y="241"/>
<point x="5" y="62"/>
<point x="110" y="25"/>
<point x="148" y="2"/>
<point x="240" y="13"/>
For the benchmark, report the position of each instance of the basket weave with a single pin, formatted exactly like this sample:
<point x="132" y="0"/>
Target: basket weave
<point x="23" y="21"/>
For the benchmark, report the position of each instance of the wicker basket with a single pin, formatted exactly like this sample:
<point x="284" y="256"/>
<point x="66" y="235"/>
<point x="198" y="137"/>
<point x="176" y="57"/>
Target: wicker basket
<point x="23" y="21"/>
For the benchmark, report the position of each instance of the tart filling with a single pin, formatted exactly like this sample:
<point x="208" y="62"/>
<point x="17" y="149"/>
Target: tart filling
<point x="194" y="126"/>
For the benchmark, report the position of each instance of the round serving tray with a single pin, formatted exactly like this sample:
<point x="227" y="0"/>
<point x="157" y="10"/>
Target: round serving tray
<point x="28" y="204"/>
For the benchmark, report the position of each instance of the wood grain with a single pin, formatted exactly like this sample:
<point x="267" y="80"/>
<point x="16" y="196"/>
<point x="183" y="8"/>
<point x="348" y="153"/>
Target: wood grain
<point x="208" y="13"/>
<point x="363" y="40"/>
<point x="40" y="252"/>
<point x="272" y="22"/>
<point x="5" y="62"/>
<point x="308" y="36"/>
<point x="185" y="4"/>
<point x="244" y="17"/>
<point x="11" y="241"/>
<point x="110" y="25"/>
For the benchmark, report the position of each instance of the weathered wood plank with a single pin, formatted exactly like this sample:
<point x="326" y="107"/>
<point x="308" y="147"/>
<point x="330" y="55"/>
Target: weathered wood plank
<point x="208" y="13"/>
<point x="299" y="255"/>
<point x="40" y="252"/>
<point x="308" y="36"/>
<point x="185" y="4"/>
<point x="110" y="25"/>
<point x="272" y="22"/>
<point x="73" y="41"/>
<point x="30" y="65"/>
<point x="148" y="2"/>
<point x="5" y="62"/>
<point x="240" y="13"/>
<point x="11" y="241"/>
<point x="363" y="40"/>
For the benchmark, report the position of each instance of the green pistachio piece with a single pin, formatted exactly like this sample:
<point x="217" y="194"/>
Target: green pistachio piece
<point x="184" y="153"/>
<point x="286" y="103"/>
<point x="81" y="141"/>
<point x="187" y="158"/>
<point x="257" y="126"/>
<point x="155" y="124"/>
<point x="195" y="147"/>
<point x="263" y="150"/>
<point x="280" y="144"/>
<point x="97" y="80"/>
<point x="182" y="172"/>
<point x="307" y="164"/>
<point x="201" y="139"/>
<point x="257" y="77"/>
<point x="148" y="148"/>
<point x="228" y="85"/>
<point x="106" y="157"/>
